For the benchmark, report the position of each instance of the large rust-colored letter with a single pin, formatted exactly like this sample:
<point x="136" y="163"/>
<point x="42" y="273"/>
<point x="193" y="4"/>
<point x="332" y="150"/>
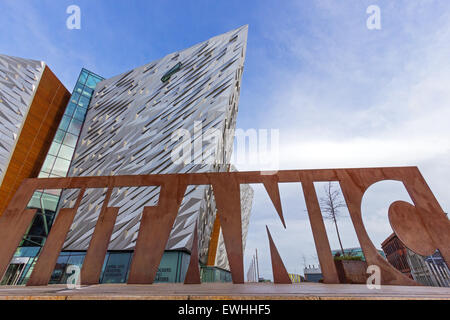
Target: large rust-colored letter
<point x="154" y="231"/>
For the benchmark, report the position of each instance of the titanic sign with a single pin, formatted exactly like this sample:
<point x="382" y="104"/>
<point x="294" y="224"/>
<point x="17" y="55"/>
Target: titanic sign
<point x="422" y="227"/>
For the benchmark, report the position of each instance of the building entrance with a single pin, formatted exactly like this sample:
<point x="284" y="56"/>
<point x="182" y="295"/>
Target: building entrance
<point x="14" y="272"/>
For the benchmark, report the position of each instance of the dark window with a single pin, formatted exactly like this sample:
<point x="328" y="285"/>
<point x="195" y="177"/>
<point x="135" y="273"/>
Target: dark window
<point x="172" y="71"/>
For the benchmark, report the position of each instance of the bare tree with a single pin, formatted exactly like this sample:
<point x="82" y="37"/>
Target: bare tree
<point x="330" y="205"/>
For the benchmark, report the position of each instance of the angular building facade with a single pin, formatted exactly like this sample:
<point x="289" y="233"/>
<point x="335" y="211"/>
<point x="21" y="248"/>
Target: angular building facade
<point x="218" y="257"/>
<point x="140" y="122"/>
<point x="32" y="102"/>
<point x="55" y="163"/>
<point x="129" y="129"/>
<point x="59" y="156"/>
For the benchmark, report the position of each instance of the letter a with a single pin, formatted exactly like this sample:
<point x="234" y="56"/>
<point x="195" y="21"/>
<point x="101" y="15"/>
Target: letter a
<point x="73" y="281"/>
<point x="374" y="20"/>
<point x="74" y="20"/>
<point x="374" y="281"/>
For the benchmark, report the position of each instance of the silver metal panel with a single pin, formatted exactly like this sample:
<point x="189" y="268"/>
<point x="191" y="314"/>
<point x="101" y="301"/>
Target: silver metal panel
<point x="19" y="79"/>
<point x="128" y="130"/>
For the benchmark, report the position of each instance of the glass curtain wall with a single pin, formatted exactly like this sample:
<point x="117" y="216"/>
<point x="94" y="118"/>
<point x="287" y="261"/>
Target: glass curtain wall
<point x="59" y="157"/>
<point x="116" y="267"/>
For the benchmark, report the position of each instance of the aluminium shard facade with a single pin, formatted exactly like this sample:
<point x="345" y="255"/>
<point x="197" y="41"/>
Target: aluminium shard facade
<point x="129" y="130"/>
<point x="32" y="101"/>
<point x="19" y="79"/>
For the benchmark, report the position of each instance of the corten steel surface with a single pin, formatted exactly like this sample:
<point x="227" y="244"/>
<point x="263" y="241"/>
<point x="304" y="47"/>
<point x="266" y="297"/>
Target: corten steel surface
<point x="319" y="232"/>
<point x="45" y="264"/>
<point x="213" y="243"/>
<point x="228" y="202"/>
<point x="193" y="272"/>
<point x="156" y="224"/>
<point x="422" y="227"/>
<point x="39" y="126"/>
<point x="280" y="274"/>
<point x="271" y="186"/>
<point x="13" y="224"/>
<point x="95" y="256"/>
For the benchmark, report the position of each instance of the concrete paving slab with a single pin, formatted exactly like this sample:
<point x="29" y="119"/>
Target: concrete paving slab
<point x="220" y="291"/>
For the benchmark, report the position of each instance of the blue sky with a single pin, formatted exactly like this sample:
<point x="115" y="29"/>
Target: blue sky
<point x="341" y="95"/>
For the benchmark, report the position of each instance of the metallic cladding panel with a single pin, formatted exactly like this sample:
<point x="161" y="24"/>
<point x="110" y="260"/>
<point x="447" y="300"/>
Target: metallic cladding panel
<point x="128" y="130"/>
<point x="247" y="194"/>
<point x="19" y="79"/>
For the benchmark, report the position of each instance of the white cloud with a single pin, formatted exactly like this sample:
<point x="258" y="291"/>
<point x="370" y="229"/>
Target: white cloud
<point x="361" y="100"/>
